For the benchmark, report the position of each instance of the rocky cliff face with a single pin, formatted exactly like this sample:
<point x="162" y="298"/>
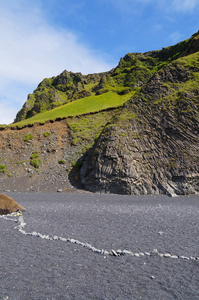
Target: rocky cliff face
<point x="31" y="159"/>
<point x="150" y="145"/>
<point x="47" y="157"/>
<point x="133" y="70"/>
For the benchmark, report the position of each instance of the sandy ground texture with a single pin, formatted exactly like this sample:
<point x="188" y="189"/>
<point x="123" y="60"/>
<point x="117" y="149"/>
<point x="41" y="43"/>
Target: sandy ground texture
<point x="68" y="248"/>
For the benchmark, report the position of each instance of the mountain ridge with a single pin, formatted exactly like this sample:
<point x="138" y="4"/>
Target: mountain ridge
<point x="147" y="145"/>
<point x="133" y="70"/>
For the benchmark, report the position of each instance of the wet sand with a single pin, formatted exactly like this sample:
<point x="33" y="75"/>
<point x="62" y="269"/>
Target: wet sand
<point x="40" y="269"/>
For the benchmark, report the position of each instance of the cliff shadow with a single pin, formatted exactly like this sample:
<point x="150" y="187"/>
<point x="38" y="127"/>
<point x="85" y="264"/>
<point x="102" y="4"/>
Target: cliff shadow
<point x="74" y="175"/>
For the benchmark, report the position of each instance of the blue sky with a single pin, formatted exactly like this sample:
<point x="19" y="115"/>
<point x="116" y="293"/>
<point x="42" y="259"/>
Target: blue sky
<point x="41" y="38"/>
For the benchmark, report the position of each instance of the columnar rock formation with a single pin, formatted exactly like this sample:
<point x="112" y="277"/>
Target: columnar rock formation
<point x="149" y="145"/>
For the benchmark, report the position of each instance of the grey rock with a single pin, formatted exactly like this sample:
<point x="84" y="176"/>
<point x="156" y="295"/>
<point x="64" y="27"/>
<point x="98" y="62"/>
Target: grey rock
<point x="73" y="241"/>
<point x="63" y="239"/>
<point x="34" y="233"/>
<point x="98" y="251"/>
<point x="114" y="253"/>
<point x="124" y="158"/>
<point x="104" y="252"/>
<point x="160" y="232"/>
<point x="161" y="255"/>
<point x="127" y="252"/>
<point x="154" y="252"/>
<point x="88" y="245"/>
<point x="184" y="257"/>
<point x="167" y="255"/>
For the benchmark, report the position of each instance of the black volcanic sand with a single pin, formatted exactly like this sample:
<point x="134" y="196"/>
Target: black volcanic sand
<point x="33" y="268"/>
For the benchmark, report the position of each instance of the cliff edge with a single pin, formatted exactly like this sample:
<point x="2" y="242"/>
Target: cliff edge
<point x="142" y="138"/>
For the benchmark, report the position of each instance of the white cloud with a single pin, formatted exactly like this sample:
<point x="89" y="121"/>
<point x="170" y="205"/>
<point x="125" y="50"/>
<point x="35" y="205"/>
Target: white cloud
<point x="31" y="50"/>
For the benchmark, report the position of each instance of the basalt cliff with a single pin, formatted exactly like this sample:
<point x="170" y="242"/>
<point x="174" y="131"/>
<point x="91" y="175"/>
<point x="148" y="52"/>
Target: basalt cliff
<point x="141" y="138"/>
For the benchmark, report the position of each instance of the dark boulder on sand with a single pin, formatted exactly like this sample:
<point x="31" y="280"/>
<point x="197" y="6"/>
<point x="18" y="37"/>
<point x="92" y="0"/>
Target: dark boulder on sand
<point x="9" y="205"/>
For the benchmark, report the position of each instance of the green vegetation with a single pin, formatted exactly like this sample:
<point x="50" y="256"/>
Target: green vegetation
<point x="77" y="163"/>
<point x="116" y="97"/>
<point x="86" y="129"/>
<point x="76" y="141"/>
<point x="45" y="134"/>
<point x="35" y="163"/>
<point x="62" y="161"/>
<point x="20" y="163"/>
<point x="125" y="105"/>
<point x="182" y="96"/>
<point x="34" y="160"/>
<point x="81" y="106"/>
<point x="2" y="169"/>
<point x="34" y="155"/>
<point x="73" y="94"/>
<point x="28" y="137"/>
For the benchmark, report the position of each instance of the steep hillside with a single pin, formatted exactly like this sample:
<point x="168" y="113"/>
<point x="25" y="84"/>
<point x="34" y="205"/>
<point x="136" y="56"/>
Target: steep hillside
<point x="44" y="157"/>
<point x="86" y="105"/>
<point x="152" y="145"/>
<point x="132" y="130"/>
<point x="132" y="72"/>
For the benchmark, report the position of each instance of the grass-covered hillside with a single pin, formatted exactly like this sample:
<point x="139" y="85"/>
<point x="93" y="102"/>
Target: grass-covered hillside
<point x="132" y="130"/>
<point x="75" y="94"/>
<point x="151" y="145"/>
<point x="81" y="106"/>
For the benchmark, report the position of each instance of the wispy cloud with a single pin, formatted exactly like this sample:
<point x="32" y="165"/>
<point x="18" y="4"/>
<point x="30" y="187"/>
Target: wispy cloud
<point x="31" y="49"/>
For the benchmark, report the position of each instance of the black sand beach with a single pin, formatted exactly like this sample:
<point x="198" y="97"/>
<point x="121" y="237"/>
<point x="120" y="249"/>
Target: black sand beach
<point x="40" y="269"/>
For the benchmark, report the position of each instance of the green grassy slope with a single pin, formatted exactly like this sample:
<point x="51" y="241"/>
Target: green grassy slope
<point x="72" y="94"/>
<point x="81" y="106"/>
<point x="133" y="70"/>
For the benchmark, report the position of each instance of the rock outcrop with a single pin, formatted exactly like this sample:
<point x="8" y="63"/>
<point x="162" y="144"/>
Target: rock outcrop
<point x="9" y="205"/>
<point x="152" y="145"/>
<point x="133" y="70"/>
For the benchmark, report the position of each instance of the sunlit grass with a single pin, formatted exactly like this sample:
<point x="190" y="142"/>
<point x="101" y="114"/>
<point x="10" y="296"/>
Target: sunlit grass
<point x="81" y="106"/>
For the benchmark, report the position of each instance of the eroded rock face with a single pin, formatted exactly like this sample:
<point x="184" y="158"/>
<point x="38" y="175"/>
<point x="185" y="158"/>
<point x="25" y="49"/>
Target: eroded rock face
<point x="152" y="146"/>
<point x="9" y="205"/>
<point x="142" y="162"/>
<point x="30" y="157"/>
<point x="149" y="146"/>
